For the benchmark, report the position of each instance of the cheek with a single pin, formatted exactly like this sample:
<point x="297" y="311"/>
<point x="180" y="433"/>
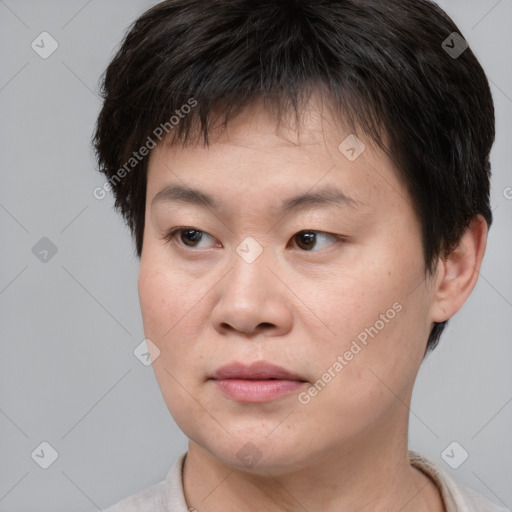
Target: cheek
<point x="369" y="367"/>
<point x="174" y="311"/>
<point x="167" y="309"/>
<point x="165" y="298"/>
<point x="348" y="303"/>
<point x="158" y="311"/>
<point x="377" y="326"/>
<point x="164" y="318"/>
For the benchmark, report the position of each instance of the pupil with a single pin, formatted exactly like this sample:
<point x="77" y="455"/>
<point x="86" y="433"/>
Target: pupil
<point x="309" y="238"/>
<point x="187" y="235"/>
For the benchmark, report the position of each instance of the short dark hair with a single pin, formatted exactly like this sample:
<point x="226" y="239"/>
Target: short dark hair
<point x="381" y="65"/>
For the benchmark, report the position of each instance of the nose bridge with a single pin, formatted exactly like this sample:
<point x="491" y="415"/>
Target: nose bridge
<point x="250" y="273"/>
<point x="251" y="295"/>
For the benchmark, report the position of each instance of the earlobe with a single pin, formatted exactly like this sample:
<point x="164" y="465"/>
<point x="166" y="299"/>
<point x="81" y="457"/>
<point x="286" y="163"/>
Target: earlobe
<point x="458" y="271"/>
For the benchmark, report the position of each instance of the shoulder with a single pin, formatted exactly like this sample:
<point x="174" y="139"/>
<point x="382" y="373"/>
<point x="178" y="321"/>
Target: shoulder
<point x="160" y="497"/>
<point x="478" y="502"/>
<point x="151" y="498"/>
<point x="457" y="497"/>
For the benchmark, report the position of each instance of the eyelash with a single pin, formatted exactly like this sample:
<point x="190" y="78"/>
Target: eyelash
<point x="171" y="235"/>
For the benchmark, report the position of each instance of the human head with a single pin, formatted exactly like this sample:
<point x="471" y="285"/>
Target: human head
<point x="380" y="65"/>
<point x="224" y="74"/>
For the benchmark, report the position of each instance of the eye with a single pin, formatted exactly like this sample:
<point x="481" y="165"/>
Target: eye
<point x="308" y="239"/>
<point x="188" y="236"/>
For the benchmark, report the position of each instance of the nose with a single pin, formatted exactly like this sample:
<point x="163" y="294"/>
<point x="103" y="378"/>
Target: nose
<point x="253" y="300"/>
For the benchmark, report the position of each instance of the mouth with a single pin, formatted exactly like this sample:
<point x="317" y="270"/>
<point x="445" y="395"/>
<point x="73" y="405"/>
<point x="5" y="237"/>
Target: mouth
<point x="258" y="382"/>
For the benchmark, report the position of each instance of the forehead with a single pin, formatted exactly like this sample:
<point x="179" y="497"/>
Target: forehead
<point x="255" y="160"/>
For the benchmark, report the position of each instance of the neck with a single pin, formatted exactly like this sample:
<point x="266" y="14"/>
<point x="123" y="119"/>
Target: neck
<point x="371" y="473"/>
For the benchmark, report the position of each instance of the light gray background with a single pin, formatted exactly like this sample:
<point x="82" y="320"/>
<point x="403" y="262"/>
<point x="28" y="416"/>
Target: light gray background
<point x="70" y="325"/>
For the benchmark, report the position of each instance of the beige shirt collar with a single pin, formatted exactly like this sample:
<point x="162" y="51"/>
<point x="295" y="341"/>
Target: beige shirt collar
<point x="168" y="495"/>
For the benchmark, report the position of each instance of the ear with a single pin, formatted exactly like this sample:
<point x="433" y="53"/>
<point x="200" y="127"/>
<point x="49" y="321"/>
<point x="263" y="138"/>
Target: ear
<point x="457" y="273"/>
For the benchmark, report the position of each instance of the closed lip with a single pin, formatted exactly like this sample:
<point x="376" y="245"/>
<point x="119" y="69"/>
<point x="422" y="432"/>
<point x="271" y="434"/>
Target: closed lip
<point x="259" y="370"/>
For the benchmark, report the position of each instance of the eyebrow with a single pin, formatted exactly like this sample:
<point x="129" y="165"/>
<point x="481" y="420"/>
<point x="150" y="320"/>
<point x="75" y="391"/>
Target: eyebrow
<point x="327" y="196"/>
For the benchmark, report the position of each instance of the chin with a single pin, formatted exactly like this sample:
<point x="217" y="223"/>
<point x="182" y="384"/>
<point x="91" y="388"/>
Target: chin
<point x="258" y="454"/>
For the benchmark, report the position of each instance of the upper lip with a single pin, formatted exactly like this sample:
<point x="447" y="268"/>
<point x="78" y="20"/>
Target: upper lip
<point x="258" y="370"/>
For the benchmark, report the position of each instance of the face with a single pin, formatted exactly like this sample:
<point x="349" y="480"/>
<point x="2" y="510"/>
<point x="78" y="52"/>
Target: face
<point x="331" y="289"/>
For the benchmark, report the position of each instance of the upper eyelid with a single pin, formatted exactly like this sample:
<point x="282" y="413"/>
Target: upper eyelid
<point x="186" y="228"/>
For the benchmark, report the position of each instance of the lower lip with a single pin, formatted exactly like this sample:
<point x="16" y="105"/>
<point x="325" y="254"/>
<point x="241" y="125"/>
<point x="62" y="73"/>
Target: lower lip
<point x="244" y="390"/>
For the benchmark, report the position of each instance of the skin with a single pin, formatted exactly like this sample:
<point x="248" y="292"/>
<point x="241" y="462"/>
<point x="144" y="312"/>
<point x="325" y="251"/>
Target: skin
<point x="204" y="306"/>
